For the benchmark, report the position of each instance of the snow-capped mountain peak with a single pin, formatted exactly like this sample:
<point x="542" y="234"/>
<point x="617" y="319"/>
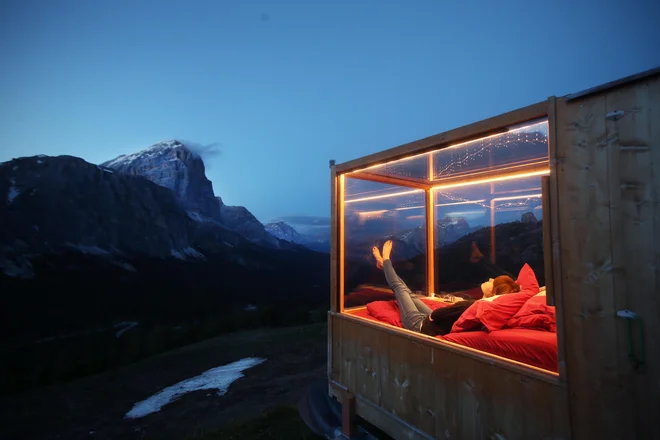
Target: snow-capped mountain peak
<point x="175" y="166"/>
<point x="160" y="149"/>
<point x="283" y="231"/>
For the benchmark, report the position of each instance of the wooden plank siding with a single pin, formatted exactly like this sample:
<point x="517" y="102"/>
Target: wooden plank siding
<point x="607" y="179"/>
<point x="443" y="393"/>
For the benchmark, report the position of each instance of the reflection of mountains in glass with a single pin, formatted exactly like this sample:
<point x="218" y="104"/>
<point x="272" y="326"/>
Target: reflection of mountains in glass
<point x="359" y="238"/>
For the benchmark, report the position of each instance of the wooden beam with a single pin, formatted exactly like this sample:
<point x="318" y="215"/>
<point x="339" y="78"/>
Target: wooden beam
<point x="348" y="416"/>
<point x="334" y="226"/>
<point x="462" y="134"/>
<point x="340" y="244"/>
<point x="547" y="240"/>
<point x="334" y="292"/>
<point x="388" y="422"/>
<point x="430" y="242"/>
<point x="388" y="180"/>
<point x="554" y="244"/>
<point x="612" y="84"/>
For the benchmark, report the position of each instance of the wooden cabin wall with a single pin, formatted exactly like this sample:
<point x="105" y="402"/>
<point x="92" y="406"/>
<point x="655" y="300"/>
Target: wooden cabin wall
<point x="442" y="393"/>
<point x="608" y="174"/>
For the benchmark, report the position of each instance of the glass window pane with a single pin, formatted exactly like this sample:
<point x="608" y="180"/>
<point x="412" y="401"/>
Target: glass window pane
<point x="504" y="221"/>
<point x="373" y="213"/>
<point x="519" y="147"/>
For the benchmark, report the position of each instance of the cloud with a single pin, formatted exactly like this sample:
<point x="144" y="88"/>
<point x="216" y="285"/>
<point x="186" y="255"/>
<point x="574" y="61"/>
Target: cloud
<point x="205" y="151"/>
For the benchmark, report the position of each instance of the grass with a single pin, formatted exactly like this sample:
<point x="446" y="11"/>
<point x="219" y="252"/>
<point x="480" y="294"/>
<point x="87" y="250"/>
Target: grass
<point x="279" y="423"/>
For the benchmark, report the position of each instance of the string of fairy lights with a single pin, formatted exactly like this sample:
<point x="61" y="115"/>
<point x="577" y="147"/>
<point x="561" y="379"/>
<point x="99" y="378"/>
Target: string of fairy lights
<point x="488" y="146"/>
<point x="528" y="142"/>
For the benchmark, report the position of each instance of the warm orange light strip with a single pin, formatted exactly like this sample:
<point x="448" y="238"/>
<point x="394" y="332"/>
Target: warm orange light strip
<point x="468" y="202"/>
<point x="431" y="167"/>
<point x="409" y="207"/>
<point x="494" y="179"/>
<point x="368" y="213"/>
<point x="530" y="196"/>
<point x="364" y="199"/>
<point x="458" y="213"/>
<point x="452" y="146"/>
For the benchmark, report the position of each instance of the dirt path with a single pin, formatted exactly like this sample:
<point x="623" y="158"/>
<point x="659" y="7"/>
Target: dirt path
<point x="94" y="407"/>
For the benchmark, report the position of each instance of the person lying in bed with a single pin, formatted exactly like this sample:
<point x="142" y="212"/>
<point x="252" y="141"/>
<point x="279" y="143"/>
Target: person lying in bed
<point x="417" y="316"/>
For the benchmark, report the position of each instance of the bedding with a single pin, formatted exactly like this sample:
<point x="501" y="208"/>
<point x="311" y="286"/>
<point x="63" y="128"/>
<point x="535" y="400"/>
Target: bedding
<point x="535" y="314"/>
<point x="527" y="345"/>
<point x="388" y="311"/>
<point x="532" y="347"/>
<point x="494" y="314"/>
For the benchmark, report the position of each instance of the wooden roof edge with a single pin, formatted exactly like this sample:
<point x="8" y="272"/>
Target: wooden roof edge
<point x="616" y="83"/>
<point x="468" y="132"/>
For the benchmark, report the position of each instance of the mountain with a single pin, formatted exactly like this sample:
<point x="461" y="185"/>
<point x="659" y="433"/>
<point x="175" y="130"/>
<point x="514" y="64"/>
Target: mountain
<point x="85" y="247"/>
<point x="316" y="239"/>
<point x="57" y="204"/>
<point x="174" y="166"/>
<point x="283" y="231"/>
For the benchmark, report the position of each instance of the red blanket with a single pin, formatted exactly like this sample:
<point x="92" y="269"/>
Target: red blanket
<point x="523" y="344"/>
<point x="388" y="311"/>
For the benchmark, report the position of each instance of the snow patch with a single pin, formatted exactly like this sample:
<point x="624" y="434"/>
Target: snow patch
<point x="88" y="250"/>
<point x="40" y="161"/>
<point x="219" y="378"/>
<point x="190" y="252"/>
<point x="13" y="192"/>
<point x="250" y="308"/>
<point x="124" y="327"/>
<point x="15" y="168"/>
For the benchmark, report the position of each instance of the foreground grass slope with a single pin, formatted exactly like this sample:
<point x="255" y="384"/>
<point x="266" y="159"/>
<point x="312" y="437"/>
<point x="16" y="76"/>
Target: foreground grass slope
<point x="95" y="406"/>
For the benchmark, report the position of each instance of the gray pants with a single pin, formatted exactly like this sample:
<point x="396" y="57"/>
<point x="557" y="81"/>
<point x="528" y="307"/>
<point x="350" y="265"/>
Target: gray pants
<point x="413" y="310"/>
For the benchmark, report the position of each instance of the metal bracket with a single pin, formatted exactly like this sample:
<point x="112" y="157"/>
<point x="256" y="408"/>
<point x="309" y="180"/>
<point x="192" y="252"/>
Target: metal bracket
<point x="615" y="115"/>
<point x="626" y="314"/>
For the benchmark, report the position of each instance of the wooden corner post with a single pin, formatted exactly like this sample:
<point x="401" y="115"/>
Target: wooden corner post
<point x="334" y="267"/>
<point x="430" y="242"/>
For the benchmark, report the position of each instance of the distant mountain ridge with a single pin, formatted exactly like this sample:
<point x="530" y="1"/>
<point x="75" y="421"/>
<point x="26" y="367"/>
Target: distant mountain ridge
<point x="156" y="203"/>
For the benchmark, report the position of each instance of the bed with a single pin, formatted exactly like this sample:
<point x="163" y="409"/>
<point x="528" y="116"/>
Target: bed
<point x="525" y="341"/>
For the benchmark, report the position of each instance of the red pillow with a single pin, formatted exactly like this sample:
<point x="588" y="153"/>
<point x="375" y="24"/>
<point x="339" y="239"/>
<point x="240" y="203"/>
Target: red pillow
<point x="496" y="313"/>
<point x="491" y="314"/>
<point x="388" y="311"/>
<point x="527" y="279"/>
<point x="535" y="313"/>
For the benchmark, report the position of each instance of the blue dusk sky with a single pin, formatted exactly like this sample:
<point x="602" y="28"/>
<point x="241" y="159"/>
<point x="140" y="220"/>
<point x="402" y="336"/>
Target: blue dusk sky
<point x="274" y="89"/>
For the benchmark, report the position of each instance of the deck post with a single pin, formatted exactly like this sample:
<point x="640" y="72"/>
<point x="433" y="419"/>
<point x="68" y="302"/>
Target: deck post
<point x="348" y="425"/>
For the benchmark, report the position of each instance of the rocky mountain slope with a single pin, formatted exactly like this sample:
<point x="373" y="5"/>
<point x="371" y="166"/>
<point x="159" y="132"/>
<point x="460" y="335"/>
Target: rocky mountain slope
<point x="285" y="232"/>
<point x="56" y="204"/>
<point x="174" y="166"/>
